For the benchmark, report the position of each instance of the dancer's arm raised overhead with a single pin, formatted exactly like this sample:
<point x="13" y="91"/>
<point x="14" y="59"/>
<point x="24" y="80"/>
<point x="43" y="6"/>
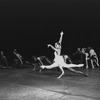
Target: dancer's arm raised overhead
<point x="61" y="35"/>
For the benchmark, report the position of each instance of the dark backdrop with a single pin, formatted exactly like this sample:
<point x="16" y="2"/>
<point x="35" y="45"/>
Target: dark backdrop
<point x="29" y="25"/>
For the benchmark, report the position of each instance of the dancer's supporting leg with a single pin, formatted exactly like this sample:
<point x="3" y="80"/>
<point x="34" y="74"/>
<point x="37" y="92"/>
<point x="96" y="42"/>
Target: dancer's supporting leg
<point x="62" y="72"/>
<point x="68" y="66"/>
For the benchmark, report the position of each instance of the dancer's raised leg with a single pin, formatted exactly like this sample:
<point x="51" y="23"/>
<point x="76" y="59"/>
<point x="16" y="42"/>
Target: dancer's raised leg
<point x="72" y="65"/>
<point x="78" y="72"/>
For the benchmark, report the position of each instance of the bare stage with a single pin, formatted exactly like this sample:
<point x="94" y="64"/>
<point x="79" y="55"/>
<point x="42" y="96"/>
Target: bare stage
<point x="25" y="84"/>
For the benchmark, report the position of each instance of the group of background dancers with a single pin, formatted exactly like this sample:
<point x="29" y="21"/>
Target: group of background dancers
<point x="86" y="55"/>
<point x="60" y="60"/>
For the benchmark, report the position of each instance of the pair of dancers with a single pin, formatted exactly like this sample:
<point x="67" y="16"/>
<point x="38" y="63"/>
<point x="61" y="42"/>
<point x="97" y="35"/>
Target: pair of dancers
<point x="60" y="61"/>
<point x="90" y="55"/>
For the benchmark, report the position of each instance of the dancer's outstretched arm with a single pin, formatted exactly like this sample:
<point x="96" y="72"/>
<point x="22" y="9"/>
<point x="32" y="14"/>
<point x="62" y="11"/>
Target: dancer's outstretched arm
<point x="49" y="45"/>
<point x="61" y="35"/>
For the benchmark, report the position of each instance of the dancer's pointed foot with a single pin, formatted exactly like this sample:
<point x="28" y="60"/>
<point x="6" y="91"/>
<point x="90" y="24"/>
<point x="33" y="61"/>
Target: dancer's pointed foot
<point x="80" y="65"/>
<point x="59" y="76"/>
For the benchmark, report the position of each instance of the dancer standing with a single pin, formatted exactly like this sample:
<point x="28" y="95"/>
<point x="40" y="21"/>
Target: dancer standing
<point x="59" y="60"/>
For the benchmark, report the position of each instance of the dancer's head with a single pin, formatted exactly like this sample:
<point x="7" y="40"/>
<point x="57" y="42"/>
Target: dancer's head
<point x="65" y="56"/>
<point x="57" y="45"/>
<point x="83" y="50"/>
<point x="34" y="58"/>
<point x="1" y="52"/>
<point x="79" y="49"/>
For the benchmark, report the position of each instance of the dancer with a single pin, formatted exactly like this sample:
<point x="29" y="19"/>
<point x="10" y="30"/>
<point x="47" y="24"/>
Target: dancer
<point x="67" y="59"/>
<point x="93" y="57"/>
<point x="79" y="51"/>
<point x="18" y="56"/>
<point x="41" y="58"/>
<point x="38" y="61"/>
<point x="4" y="60"/>
<point x="59" y="60"/>
<point x="86" y="56"/>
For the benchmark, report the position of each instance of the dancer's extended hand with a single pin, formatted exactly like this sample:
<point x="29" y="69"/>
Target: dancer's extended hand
<point x="62" y="33"/>
<point x="48" y="45"/>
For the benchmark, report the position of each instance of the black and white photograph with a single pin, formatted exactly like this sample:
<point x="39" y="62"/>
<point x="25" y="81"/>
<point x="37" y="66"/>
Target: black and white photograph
<point x="49" y="50"/>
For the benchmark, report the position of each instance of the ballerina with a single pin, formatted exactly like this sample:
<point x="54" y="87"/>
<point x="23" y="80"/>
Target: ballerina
<point x="59" y="61"/>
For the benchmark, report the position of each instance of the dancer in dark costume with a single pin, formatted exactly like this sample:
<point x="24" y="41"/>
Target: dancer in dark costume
<point x="79" y="52"/>
<point x="59" y="60"/>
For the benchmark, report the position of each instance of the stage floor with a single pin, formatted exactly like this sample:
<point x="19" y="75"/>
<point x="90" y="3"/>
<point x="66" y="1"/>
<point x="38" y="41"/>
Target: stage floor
<point x="25" y="84"/>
